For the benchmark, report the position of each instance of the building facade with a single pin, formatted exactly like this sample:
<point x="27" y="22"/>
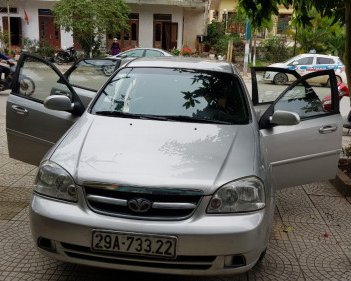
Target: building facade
<point x="162" y="24"/>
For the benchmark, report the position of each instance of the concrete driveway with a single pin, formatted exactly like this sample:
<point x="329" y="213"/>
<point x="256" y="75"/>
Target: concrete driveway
<point x="311" y="238"/>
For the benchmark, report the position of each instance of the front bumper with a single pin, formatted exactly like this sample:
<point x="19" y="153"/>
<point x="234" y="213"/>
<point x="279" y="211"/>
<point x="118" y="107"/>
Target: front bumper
<point x="206" y="245"/>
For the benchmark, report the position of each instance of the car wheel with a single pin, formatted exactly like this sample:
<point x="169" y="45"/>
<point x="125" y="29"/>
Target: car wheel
<point x="280" y="79"/>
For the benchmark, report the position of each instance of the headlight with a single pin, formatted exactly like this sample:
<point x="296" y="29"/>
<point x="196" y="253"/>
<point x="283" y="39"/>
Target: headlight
<point x="243" y="195"/>
<point x="53" y="181"/>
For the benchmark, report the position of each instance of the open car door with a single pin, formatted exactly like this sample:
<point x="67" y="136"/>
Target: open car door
<point x="300" y="137"/>
<point x="32" y="128"/>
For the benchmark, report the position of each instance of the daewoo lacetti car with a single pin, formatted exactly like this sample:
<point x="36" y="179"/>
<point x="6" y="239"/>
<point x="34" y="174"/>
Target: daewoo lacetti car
<point x="171" y="168"/>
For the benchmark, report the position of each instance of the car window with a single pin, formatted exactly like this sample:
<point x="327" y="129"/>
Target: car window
<point x="304" y="61"/>
<point x="92" y="74"/>
<point x="322" y="60"/>
<point x="153" y="53"/>
<point x="306" y="98"/>
<point x="134" y="53"/>
<point x="38" y="81"/>
<point x="175" y="92"/>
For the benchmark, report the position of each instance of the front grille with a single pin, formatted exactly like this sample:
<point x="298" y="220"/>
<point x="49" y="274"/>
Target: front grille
<point x="143" y="203"/>
<point x="181" y="262"/>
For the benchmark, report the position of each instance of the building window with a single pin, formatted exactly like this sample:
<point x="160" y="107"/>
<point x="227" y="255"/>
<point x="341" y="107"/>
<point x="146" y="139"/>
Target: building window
<point x="162" y="17"/>
<point x="12" y="10"/>
<point x="283" y="23"/>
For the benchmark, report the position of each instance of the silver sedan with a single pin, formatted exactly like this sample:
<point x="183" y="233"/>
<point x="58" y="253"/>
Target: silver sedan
<point x="171" y="168"/>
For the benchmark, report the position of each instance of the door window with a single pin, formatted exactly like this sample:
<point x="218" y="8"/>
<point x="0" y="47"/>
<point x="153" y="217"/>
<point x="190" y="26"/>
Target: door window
<point x="321" y="60"/>
<point x="153" y="53"/>
<point x="134" y="53"/>
<point x="38" y="81"/>
<point x="92" y="74"/>
<point x="303" y="61"/>
<point x="306" y="98"/>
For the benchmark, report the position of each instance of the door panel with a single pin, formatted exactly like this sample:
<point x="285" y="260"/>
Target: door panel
<point x="31" y="128"/>
<point x="308" y="151"/>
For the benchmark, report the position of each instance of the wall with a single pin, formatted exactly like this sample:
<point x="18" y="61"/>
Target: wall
<point x="146" y="21"/>
<point x="194" y="24"/>
<point x="31" y="30"/>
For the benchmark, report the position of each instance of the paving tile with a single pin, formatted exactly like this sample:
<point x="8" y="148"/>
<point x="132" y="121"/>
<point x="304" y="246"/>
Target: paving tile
<point x="335" y="211"/>
<point x="16" y="169"/>
<point x="321" y="188"/>
<point x="295" y="196"/>
<point x="278" y="232"/>
<point x="9" y="210"/>
<point x="280" y="263"/>
<point x="22" y="216"/>
<point x="322" y="261"/>
<point x="7" y="180"/>
<point x="20" y="276"/>
<point x="341" y="233"/>
<point x="330" y="202"/>
<point x="308" y="232"/>
<point x="15" y="194"/>
<point x="300" y="214"/>
<point x="25" y="182"/>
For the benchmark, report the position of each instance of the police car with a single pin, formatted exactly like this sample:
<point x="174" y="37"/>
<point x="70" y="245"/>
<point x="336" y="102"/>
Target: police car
<point x="307" y="63"/>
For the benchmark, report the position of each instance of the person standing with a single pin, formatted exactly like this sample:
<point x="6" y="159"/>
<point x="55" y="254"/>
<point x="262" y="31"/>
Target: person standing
<point x="115" y="47"/>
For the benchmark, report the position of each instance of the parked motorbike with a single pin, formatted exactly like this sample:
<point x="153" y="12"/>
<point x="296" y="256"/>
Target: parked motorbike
<point x="343" y="91"/>
<point x="65" y="56"/>
<point x="26" y="84"/>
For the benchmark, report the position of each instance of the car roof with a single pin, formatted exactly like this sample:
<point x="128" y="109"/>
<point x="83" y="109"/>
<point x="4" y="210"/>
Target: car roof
<point x="154" y="49"/>
<point x="185" y="62"/>
<point x="320" y="55"/>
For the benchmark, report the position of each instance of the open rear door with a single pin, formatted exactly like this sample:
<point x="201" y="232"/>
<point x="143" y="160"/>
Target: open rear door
<point x="308" y="150"/>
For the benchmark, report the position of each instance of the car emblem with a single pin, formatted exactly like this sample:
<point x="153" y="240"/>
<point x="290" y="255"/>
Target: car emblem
<point x="139" y="205"/>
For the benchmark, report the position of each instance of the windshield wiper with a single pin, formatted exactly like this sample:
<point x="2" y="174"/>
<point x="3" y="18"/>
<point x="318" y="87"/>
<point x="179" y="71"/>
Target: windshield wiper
<point x="130" y="115"/>
<point x="195" y="119"/>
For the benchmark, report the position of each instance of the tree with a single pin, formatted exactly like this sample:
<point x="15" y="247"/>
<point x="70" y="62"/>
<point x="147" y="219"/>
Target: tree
<point x="90" y="20"/>
<point x="322" y="34"/>
<point x="339" y="10"/>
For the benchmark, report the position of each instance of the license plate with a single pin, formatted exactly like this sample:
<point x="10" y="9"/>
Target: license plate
<point x="132" y="243"/>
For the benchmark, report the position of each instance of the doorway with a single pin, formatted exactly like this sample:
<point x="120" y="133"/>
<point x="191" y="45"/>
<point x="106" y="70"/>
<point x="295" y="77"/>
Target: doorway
<point x="165" y="32"/>
<point x="15" y="29"/>
<point x="49" y="33"/>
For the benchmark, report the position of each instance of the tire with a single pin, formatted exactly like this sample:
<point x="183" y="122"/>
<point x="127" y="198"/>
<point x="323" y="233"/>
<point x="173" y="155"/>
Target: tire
<point x="108" y="70"/>
<point x="280" y="79"/>
<point x="58" y="60"/>
<point x="3" y="86"/>
<point x="338" y="80"/>
<point x="27" y="86"/>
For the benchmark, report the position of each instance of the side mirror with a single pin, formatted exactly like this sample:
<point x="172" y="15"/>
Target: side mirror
<point x="281" y="117"/>
<point x="57" y="102"/>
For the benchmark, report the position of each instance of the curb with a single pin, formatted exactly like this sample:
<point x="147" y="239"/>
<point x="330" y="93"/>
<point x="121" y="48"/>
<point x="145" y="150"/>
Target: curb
<point x="342" y="183"/>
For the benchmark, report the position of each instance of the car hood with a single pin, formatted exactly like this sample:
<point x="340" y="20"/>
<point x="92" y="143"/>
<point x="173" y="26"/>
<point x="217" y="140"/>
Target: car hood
<point x="120" y="151"/>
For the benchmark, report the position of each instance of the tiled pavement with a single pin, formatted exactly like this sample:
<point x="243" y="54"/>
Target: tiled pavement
<point x="311" y="238"/>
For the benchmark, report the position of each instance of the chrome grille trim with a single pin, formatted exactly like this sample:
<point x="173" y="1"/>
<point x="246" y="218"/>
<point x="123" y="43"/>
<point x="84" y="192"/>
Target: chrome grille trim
<point x="107" y="200"/>
<point x="165" y="204"/>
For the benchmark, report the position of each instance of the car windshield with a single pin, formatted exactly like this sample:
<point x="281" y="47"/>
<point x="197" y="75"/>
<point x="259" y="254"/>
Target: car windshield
<point x="174" y="94"/>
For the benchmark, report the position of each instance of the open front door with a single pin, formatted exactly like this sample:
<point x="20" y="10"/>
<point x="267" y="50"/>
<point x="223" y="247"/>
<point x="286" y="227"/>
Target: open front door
<point x="308" y="149"/>
<point x="31" y="128"/>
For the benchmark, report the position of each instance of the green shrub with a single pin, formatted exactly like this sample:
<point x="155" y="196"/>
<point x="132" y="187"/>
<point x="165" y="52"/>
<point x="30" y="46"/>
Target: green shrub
<point x="275" y="49"/>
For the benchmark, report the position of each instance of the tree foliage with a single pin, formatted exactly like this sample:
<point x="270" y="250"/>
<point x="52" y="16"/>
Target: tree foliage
<point x="89" y="20"/>
<point x="338" y="10"/>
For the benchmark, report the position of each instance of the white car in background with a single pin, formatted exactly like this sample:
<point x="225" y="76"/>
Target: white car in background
<point x="304" y="64"/>
<point x="143" y="52"/>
